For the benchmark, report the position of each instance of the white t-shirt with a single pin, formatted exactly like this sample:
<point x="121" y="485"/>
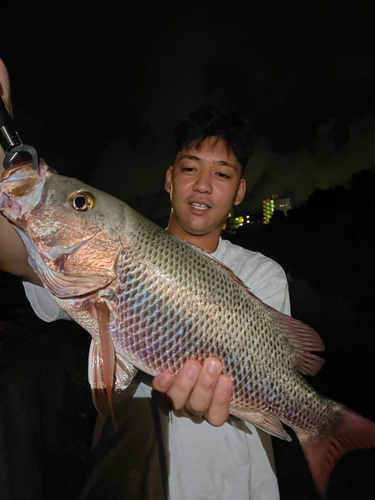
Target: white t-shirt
<point x="206" y="462"/>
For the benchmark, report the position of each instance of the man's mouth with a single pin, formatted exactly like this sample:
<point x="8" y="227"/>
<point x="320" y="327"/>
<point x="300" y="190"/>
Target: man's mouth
<point x="199" y="206"/>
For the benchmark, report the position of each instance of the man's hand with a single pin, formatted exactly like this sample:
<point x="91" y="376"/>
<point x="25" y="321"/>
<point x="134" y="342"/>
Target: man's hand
<point x="200" y="390"/>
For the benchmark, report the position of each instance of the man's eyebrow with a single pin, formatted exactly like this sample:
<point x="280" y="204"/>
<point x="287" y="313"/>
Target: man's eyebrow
<point x="225" y="164"/>
<point x="217" y="162"/>
<point x="190" y="157"/>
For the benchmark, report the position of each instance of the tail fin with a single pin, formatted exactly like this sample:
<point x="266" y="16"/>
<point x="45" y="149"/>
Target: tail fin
<point x="350" y="432"/>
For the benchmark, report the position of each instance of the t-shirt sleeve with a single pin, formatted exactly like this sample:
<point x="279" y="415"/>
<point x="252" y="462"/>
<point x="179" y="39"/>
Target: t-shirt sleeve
<point x="275" y="293"/>
<point x="271" y="286"/>
<point x="43" y="304"/>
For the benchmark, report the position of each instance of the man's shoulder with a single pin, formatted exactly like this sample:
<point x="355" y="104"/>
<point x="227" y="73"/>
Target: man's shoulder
<point x="239" y="257"/>
<point x="265" y="277"/>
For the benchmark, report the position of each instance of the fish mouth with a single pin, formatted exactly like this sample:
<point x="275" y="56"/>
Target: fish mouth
<point x="21" y="190"/>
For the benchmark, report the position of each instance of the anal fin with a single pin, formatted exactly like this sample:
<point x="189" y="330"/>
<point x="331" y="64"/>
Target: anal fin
<point x="267" y="423"/>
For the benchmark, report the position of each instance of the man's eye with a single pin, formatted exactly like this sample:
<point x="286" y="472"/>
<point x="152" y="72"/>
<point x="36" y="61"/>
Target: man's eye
<point x="187" y="169"/>
<point x="222" y="176"/>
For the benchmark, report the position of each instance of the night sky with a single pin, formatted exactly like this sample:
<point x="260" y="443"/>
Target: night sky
<point x="99" y="92"/>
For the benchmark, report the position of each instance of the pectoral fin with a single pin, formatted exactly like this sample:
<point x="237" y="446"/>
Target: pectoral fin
<point x="96" y="378"/>
<point x="124" y="374"/>
<point x="267" y="423"/>
<point x="102" y="363"/>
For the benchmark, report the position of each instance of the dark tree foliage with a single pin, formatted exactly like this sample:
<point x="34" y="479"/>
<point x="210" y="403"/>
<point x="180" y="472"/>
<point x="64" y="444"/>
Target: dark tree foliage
<point x="327" y="241"/>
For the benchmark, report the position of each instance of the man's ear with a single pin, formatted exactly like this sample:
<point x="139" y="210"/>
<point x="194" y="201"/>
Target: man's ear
<point x="168" y="179"/>
<point x="240" y="192"/>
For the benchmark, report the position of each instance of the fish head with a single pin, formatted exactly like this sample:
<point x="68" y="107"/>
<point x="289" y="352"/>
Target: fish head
<point x="70" y="230"/>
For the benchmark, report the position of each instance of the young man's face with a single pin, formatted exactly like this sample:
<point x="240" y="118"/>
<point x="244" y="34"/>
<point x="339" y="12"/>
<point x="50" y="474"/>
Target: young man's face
<point x="204" y="183"/>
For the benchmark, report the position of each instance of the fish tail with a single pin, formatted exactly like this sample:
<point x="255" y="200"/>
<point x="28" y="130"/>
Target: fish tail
<point x="350" y="431"/>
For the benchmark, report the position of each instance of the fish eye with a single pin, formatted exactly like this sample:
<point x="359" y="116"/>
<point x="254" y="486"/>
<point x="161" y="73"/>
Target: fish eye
<point x="82" y="201"/>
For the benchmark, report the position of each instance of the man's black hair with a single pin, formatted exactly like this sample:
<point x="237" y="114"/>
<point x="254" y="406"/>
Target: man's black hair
<point x="206" y="121"/>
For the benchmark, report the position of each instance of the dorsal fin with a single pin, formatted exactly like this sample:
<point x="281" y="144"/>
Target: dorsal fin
<point x="304" y="340"/>
<point x="302" y="337"/>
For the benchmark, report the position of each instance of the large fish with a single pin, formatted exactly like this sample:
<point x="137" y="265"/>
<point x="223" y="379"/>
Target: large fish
<point x="151" y="301"/>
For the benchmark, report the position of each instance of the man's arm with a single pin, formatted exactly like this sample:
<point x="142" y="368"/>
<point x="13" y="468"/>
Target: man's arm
<point x="13" y="255"/>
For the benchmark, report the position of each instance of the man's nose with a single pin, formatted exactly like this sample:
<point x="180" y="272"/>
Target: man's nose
<point x="203" y="182"/>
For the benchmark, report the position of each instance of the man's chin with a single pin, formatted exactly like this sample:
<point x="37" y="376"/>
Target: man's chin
<point x="200" y="231"/>
<point x="193" y="227"/>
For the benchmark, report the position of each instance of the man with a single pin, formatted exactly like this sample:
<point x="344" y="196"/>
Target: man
<point x="205" y="181"/>
<point x="207" y="462"/>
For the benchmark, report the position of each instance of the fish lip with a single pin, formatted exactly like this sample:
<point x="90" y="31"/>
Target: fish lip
<point x="27" y="165"/>
<point x="11" y="170"/>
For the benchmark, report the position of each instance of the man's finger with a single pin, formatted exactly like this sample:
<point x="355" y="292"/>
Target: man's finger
<point x="5" y="95"/>
<point x="181" y="388"/>
<point x="162" y="382"/>
<point x="5" y="86"/>
<point x="202" y="394"/>
<point x="218" y="411"/>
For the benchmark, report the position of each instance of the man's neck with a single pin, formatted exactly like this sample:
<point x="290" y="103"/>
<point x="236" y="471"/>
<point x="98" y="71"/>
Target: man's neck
<point x="208" y="242"/>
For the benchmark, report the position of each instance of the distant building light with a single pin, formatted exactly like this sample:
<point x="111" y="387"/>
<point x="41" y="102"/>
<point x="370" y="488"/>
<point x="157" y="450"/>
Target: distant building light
<point x="270" y="205"/>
